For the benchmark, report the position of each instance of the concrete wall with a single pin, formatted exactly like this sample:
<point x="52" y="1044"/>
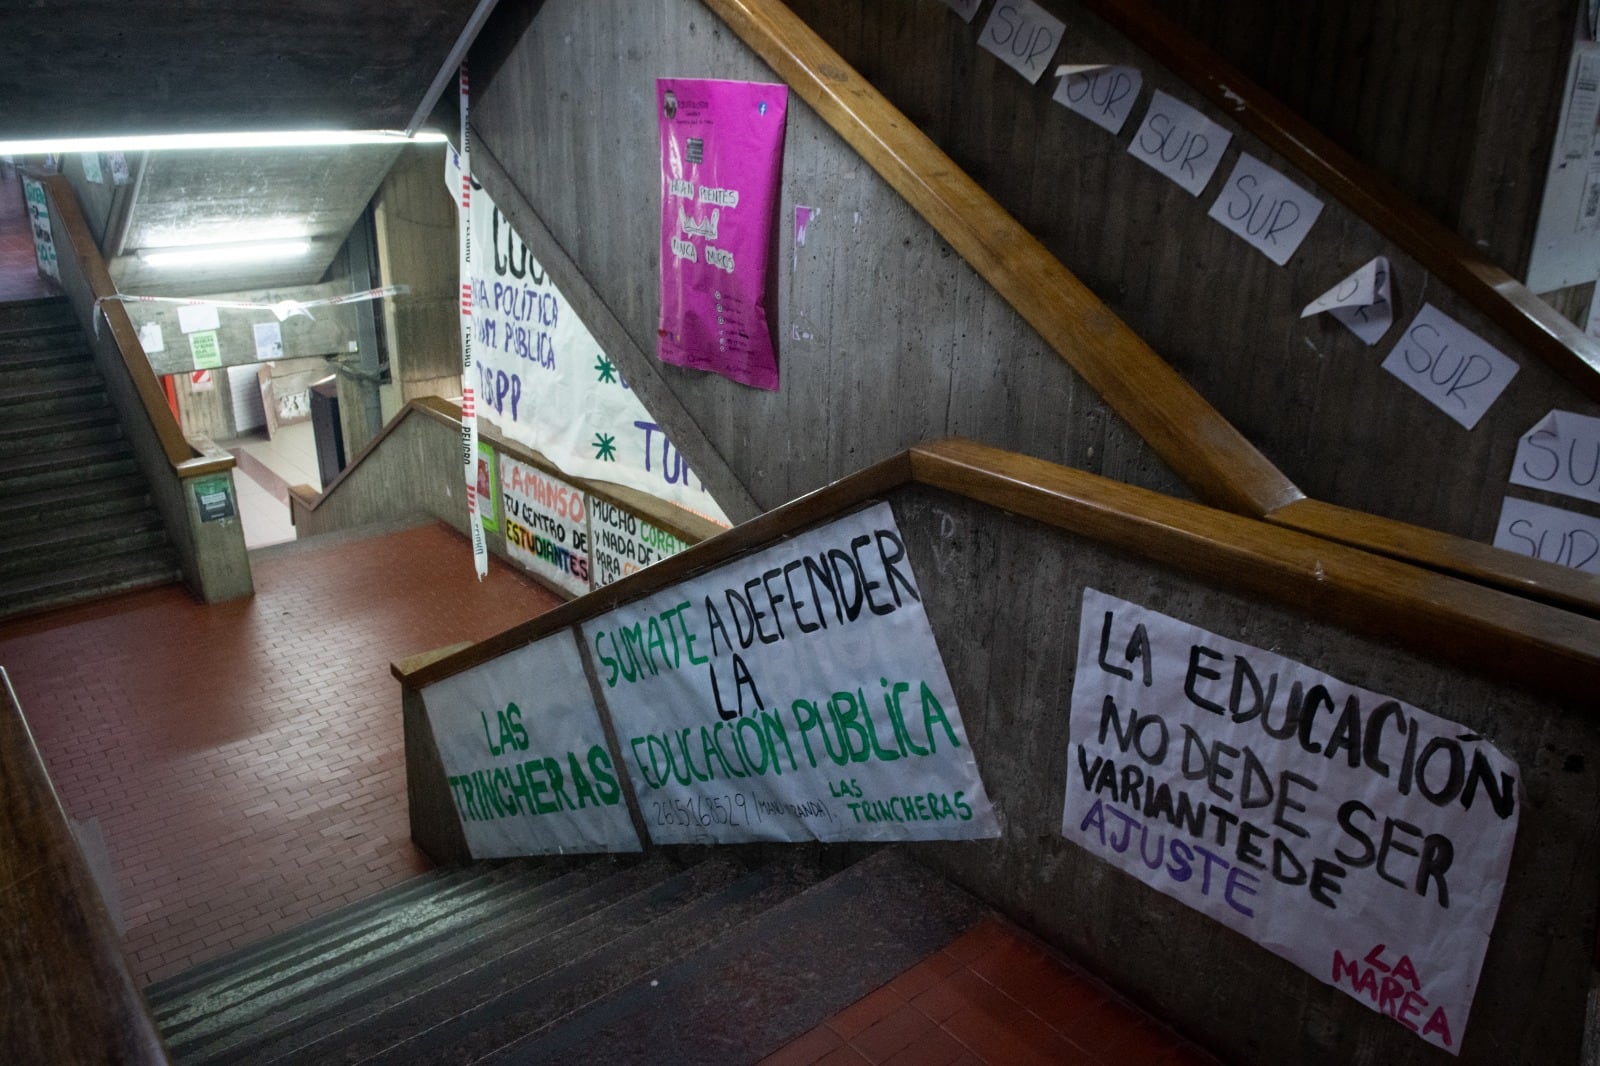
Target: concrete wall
<point x="884" y="336"/>
<point x="1306" y="392"/>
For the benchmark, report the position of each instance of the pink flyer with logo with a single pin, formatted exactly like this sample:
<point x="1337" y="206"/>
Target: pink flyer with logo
<point x="721" y="160"/>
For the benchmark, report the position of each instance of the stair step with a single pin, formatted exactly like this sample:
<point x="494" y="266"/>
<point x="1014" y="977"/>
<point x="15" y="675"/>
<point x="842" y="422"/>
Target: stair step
<point x="786" y="970"/>
<point x="39" y="470"/>
<point x="277" y="963"/>
<point x="39" y="400"/>
<point x="87" y="581"/>
<point x="67" y="349"/>
<point x="232" y="1020"/>
<point x="84" y="540"/>
<point x="76" y="509"/>
<point x="517" y="1003"/>
<point x="67" y="433"/>
<point x="39" y="507"/>
<point x="62" y="367"/>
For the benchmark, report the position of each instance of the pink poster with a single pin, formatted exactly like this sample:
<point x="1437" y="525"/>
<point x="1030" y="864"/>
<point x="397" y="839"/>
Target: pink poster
<point x="721" y="158"/>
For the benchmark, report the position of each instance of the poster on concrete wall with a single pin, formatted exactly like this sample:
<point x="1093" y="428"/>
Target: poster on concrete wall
<point x="547" y="528"/>
<point x="545" y="382"/>
<point x="44" y="241"/>
<point x="489" y="502"/>
<point x="526" y="756"/>
<point x="622" y="543"/>
<point x="1363" y="839"/>
<point x="721" y="160"/>
<point x="793" y="694"/>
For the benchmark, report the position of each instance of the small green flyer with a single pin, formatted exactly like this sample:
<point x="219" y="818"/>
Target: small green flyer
<point x="207" y="356"/>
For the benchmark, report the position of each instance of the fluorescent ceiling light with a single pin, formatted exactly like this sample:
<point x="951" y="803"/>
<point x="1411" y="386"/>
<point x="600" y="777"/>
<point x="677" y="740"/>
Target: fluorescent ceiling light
<point x="166" y="141"/>
<point x="202" y="254"/>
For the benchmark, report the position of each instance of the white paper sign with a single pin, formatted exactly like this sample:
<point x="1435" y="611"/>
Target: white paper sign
<point x="1024" y="35"/>
<point x="1361" y="838"/>
<point x="1180" y="142"/>
<point x="91" y="167"/>
<point x="622" y="543"/>
<point x="269" y="340"/>
<point x="44" y="241"/>
<point x="1452" y="367"/>
<point x="117" y="163"/>
<point x="547" y="527"/>
<point x="526" y="756"/>
<point x="965" y="8"/>
<point x="545" y="382"/>
<point x="1560" y="454"/>
<point x="1269" y="211"/>
<point x="1104" y="95"/>
<point x="1549" y="533"/>
<point x="194" y="318"/>
<point x="1361" y="301"/>
<point x="793" y="694"/>
<point x="151" y="338"/>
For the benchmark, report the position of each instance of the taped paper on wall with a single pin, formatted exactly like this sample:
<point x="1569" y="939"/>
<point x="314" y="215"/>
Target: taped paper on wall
<point x="1552" y="534"/>
<point x="1361" y="301"/>
<point x="1179" y="142"/>
<point x="1269" y="211"/>
<point x="1104" y="94"/>
<point x="1456" y="370"/>
<point x="1561" y="454"/>
<point x="1023" y="35"/>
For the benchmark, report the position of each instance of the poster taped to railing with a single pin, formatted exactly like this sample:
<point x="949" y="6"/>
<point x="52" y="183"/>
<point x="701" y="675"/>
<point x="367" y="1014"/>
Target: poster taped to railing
<point x="1361" y="838"/>
<point x="526" y="756"/>
<point x="793" y="694"/>
<point x="547" y="526"/>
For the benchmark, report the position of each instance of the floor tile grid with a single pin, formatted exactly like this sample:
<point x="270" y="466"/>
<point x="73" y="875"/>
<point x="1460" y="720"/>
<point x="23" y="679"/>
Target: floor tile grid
<point x="245" y="760"/>
<point x="996" y="996"/>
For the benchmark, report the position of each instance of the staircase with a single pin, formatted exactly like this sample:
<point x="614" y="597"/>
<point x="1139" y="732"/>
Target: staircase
<point x="718" y="959"/>
<point x="76" y="519"/>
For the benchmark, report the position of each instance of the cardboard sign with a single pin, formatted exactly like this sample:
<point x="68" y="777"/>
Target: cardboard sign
<point x="1452" y="367"/>
<point x="793" y="694"/>
<point x="1179" y="142"/>
<point x="1361" y="838"/>
<point x="546" y="525"/>
<point x="526" y="756"/>
<point x="622" y="543"/>
<point x="721" y="158"/>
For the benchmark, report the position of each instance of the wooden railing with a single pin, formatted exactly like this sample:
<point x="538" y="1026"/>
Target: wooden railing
<point x="1533" y="644"/>
<point x="1443" y="252"/>
<point x="69" y="997"/>
<point x="1190" y="435"/>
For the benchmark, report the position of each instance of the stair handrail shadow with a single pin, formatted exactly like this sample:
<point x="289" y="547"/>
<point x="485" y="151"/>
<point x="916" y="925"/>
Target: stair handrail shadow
<point x="1476" y="628"/>
<point x="1184" y="429"/>
<point x="70" y="996"/>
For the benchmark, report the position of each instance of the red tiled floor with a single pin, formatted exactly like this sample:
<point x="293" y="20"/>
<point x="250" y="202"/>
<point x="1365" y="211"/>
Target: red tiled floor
<point x="245" y="760"/>
<point x="994" y="996"/>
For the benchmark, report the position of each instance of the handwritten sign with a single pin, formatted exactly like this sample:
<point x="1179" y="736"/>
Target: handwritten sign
<point x="965" y="8"/>
<point x="1361" y="838"/>
<point x="44" y="241"/>
<point x="1104" y="95"/>
<point x="546" y="527"/>
<point x="1549" y="533"/>
<point x="526" y="756"/>
<point x="1560" y="454"/>
<point x="1361" y="301"/>
<point x="1023" y="35"/>
<point x="1452" y="367"/>
<point x="721" y="158"/>
<point x="623" y="543"/>
<point x="794" y="694"/>
<point x="545" y="381"/>
<point x="1180" y="142"/>
<point x="1269" y="211"/>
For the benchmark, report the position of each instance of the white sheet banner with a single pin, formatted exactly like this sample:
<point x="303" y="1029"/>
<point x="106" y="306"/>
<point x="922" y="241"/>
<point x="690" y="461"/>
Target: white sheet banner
<point x="1361" y="838"/>
<point x="622" y="543"/>
<point x="543" y="379"/>
<point x="526" y="756"/>
<point x="793" y="694"/>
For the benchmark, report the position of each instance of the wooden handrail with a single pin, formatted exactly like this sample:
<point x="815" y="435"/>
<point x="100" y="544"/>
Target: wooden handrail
<point x="1477" y="628"/>
<point x="1205" y="449"/>
<point x="1440" y="250"/>
<point x="64" y="210"/>
<point x="69" y="995"/>
<point x="684" y="525"/>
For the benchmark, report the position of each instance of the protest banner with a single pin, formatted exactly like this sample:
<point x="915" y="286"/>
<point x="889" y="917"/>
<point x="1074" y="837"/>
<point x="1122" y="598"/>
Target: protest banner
<point x="622" y="543"/>
<point x="793" y="694"/>
<point x="526" y="755"/>
<point x="1361" y="838"/>
<point x="547" y="528"/>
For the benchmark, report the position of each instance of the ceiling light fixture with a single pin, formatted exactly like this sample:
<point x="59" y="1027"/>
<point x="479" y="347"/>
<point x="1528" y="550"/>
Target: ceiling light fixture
<point x="204" y="254"/>
<point x="179" y="141"/>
